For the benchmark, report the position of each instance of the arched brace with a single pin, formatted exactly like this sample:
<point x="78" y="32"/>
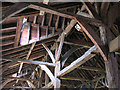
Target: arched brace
<point x="68" y="53"/>
<point x="49" y="73"/>
<point x="94" y="38"/>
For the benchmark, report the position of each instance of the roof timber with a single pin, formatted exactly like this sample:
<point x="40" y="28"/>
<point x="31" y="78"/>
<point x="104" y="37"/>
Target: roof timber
<point x="86" y="29"/>
<point x="28" y="61"/>
<point x="47" y="9"/>
<point x="51" y="10"/>
<point x="114" y="45"/>
<point x="13" y="10"/>
<point x="78" y="62"/>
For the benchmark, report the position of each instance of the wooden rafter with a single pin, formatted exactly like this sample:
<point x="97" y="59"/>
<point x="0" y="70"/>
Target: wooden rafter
<point x="28" y="61"/>
<point x="18" y="7"/>
<point x="85" y="57"/>
<point x="68" y="53"/>
<point x="94" y="38"/>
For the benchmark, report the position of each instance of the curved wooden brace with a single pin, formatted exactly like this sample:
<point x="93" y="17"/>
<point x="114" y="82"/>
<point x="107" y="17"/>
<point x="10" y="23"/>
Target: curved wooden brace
<point x="49" y="52"/>
<point x="68" y="53"/>
<point x="49" y="73"/>
<point x="94" y="38"/>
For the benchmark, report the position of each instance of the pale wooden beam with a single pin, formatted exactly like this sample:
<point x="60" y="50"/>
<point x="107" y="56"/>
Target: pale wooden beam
<point x="49" y="73"/>
<point x="28" y="61"/>
<point x="57" y="56"/>
<point x="41" y="71"/>
<point x="60" y="46"/>
<point x="50" y="84"/>
<point x="114" y="45"/>
<point x="85" y="57"/>
<point x="68" y="28"/>
<point x="68" y="53"/>
<point x="49" y="52"/>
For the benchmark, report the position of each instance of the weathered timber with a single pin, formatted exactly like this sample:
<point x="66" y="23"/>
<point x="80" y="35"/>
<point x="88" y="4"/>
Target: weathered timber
<point x="68" y="28"/>
<point x="18" y="7"/>
<point x="20" y="48"/>
<point x="60" y="46"/>
<point x="3" y="84"/>
<point x="28" y="61"/>
<point x="23" y="79"/>
<point x="10" y="29"/>
<point x="63" y="14"/>
<point x="104" y="9"/>
<point x="27" y="57"/>
<point x="68" y="53"/>
<point x="18" y="32"/>
<point x="85" y="57"/>
<point x="49" y="52"/>
<point x="94" y="38"/>
<point x="7" y="36"/>
<point x="81" y="43"/>
<point x="50" y="84"/>
<point x="92" y="69"/>
<point x="91" y="9"/>
<point x="114" y="45"/>
<point x="74" y="78"/>
<point x="49" y="73"/>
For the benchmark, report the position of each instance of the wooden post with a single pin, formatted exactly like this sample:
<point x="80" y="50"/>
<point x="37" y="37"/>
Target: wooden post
<point x="111" y="64"/>
<point x="18" y="32"/>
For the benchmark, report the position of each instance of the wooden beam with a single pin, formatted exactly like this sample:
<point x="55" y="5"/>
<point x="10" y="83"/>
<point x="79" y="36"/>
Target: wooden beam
<point x="114" y="45"/>
<point x="85" y="57"/>
<point x="16" y="8"/>
<point x="29" y="61"/>
<point x="51" y="10"/>
<point x="94" y="38"/>
<point x="6" y="81"/>
<point x="104" y="9"/>
<point x="60" y="46"/>
<point x="18" y="31"/>
<point x="91" y="9"/>
<point x="27" y="57"/>
<point x="49" y="52"/>
<point x="23" y="79"/>
<point x="74" y="79"/>
<point x="50" y="84"/>
<point x="7" y="29"/>
<point x="68" y="28"/>
<point x="81" y="43"/>
<point x="68" y="53"/>
<point x="49" y="73"/>
<point x="92" y="69"/>
<point x="20" y="48"/>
